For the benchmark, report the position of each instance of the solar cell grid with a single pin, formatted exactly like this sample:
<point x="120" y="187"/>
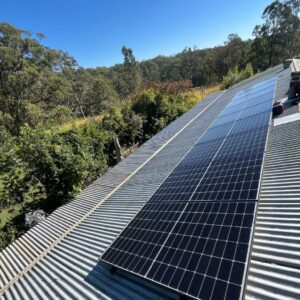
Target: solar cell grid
<point x="258" y="100"/>
<point x="239" y="99"/>
<point x="232" y="109"/>
<point x="254" y="110"/>
<point x="254" y="95"/>
<point x="215" y="133"/>
<point x="241" y="143"/>
<point x="232" y="175"/>
<point x="207" y="150"/>
<point x="226" y="119"/>
<point x="251" y="123"/>
<point x="188" y="240"/>
<point x="193" y="234"/>
<point x="180" y="184"/>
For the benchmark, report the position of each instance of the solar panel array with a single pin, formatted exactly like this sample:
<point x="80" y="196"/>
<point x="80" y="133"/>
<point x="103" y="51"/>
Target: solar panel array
<point x="194" y="233"/>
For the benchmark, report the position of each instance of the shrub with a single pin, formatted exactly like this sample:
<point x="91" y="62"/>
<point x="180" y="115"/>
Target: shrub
<point x="234" y="75"/>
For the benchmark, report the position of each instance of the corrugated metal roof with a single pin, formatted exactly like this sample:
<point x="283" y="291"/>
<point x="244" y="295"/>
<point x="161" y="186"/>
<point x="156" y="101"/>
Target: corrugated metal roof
<point x="275" y="264"/>
<point x="274" y="271"/>
<point x="58" y="258"/>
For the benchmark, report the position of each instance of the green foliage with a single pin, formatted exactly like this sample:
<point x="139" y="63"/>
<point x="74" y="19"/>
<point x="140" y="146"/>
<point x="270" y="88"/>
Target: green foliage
<point x="57" y="116"/>
<point x="35" y="114"/>
<point x="48" y="167"/>
<point x="132" y="73"/>
<point x="133" y="130"/>
<point x="7" y="150"/>
<point x="51" y="158"/>
<point x="234" y="75"/>
<point x="124" y="123"/>
<point x="6" y="122"/>
<point x="16" y="184"/>
<point x="126" y="77"/>
<point x="98" y="149"/>
<point x="27" y="73"/>
<point x="247" y="72"/>
<point x="278" y="38"/>
<point x="158" y="108"/>
<point x="8" y="235"/>
<point x="101" y="96"/>
<point x="38" y="115"/>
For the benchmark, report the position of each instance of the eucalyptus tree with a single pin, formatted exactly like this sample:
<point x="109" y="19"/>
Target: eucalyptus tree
<point x="29" y="72"/>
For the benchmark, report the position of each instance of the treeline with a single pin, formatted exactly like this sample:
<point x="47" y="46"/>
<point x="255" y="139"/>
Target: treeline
<point x="277" y="39"/>
<point x="42" y="166"/>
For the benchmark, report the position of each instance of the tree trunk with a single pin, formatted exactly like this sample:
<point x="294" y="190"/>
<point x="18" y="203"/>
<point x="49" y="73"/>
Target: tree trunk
<point x="80" y="107"/>
<point x="118" y="149"/>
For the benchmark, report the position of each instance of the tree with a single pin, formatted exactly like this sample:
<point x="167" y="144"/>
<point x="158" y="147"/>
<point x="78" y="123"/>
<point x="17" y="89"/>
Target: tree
<point x="133" y="130"/>
<point x="189" y="61"/>
<point x="247" y="72"/>
<point x="57" y="162"/>
<point x="80" y="82"/>
<point x="234" y="75"/>
<point x="234" y="51"/>
<point x="130" y="72"/>
<point x="100" y="96"/>
<point x="291" y="27"/>
<point x="29" y="72"/>
<point x="278" y="38"/>
<point x="150" y="70"/>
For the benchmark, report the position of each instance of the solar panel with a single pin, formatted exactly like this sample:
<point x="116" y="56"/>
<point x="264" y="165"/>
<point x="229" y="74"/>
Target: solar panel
<point x="188" y="246"/>
<point x="193" y="235"/>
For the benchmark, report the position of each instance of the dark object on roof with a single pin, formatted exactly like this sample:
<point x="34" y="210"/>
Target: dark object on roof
<point x="277" y="108"/>
<point x="294" y="90"/>
<point x="296" y="101"/>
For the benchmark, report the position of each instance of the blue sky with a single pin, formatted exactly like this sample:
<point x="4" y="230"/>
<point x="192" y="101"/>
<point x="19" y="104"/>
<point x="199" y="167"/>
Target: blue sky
<point x="93" y="31"/>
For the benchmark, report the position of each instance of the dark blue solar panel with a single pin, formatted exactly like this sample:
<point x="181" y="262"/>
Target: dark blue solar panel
<point x="214" y="133"/>
<point x="180" y="245"/>
<point x="229" y="118"/>
<point x="251" y="123"/>
<point x="193" y="234"/>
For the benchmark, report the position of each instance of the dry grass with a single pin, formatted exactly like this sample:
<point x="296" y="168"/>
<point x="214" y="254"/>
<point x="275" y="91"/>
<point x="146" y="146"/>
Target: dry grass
<point x="203" y="92"/>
